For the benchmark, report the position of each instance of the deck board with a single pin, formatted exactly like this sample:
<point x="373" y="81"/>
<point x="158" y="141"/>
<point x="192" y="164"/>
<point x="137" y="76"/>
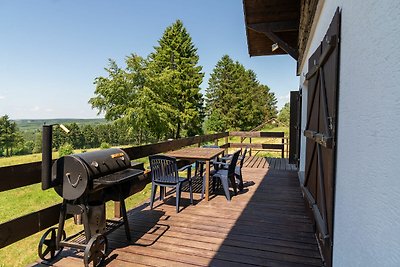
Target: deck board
<point x="270" y="163"/>
<point x="265" y="225"/>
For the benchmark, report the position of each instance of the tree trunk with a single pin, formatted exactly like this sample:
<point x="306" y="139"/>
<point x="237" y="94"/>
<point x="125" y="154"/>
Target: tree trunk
<point x="178" y="130"/>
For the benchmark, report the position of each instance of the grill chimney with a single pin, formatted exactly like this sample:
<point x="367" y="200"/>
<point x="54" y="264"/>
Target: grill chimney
<point x="47" y="132"/>
<point x="47" y="160"/>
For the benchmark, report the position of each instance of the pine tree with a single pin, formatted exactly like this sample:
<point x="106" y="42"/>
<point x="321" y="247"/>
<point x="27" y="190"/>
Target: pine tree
<point x="221" y="95"/>
<point x="175" y="78"/>
<point x="235" y="99"/>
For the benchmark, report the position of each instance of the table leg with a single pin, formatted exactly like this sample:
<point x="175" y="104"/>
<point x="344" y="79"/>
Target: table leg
<point x="207" y="185"/>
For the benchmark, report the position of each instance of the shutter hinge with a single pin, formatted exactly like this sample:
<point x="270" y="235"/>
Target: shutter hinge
<point x="330" y="123"/>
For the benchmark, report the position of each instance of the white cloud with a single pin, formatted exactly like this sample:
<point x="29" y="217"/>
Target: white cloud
<point x="282" y="100"/>
<point x="48" y="109"/>
<point x="284" y="97"/>
<point x="2" y="97"/>
<point x="35" y="108"/>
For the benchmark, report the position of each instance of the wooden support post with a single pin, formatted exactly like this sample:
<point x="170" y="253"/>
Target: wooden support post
<point x="250" y="146"/>
<point x="117" y="209"/>
<point x="283" y="147"/>
<point x="216" y="142"/>
<point x="226" y="142"/>
<point x="287" y="147"/>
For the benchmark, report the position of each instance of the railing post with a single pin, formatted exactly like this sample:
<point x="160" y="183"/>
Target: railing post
<point x="283" y="147"/>
<point x="250" y="147"/>
<point x="287" y="147"/>
<point x="117" y="209"/>
<point x="226" y="142"/>
<point x="216" y="142"/>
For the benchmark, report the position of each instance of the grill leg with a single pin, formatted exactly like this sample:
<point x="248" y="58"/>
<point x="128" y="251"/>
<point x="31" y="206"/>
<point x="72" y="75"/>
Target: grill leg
<point x="86" y="225"/>
<point x="61" y="221"/>
<point x="125" y="217"/>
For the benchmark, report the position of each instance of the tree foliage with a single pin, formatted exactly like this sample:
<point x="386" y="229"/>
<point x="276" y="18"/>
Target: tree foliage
<point x="284" y="115"/>
<point x="10" y="135"/>
<point x="91" y="136"/>
<point x="175" y="78"/>
<point x="158" y="97"/>
<point x="235" y="99"/>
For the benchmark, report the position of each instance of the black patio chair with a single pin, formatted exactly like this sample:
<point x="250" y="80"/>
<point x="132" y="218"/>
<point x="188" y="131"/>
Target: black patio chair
<point x="164" y="173"/>
<point x="238" y="170"/>
<point x="226" y="174"/>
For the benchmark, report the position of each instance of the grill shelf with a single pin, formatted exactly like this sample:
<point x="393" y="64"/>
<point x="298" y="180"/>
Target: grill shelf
<point x="78" y="240"/>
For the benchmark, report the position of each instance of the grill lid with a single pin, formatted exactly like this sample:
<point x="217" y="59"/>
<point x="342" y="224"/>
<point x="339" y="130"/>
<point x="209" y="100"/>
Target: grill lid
<point x="103" y="162"/>
<point x="75" y="174"/>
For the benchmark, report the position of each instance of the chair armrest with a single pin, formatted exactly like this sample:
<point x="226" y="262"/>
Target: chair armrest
<point x="185" y="167"/>
<point x="227" y="157"/>
<point x="223" y="164"/>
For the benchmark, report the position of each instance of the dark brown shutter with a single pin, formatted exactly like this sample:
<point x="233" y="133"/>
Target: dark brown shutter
<point x="320" y="131"/>
<point x="294" y="130"/>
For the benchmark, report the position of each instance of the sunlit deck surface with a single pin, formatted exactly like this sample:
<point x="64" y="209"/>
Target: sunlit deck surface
<point x="265" y="225"/>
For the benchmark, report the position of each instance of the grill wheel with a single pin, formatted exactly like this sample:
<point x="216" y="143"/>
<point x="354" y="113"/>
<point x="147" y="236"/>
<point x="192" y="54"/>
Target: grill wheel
<point x="95" y="251"/>
<point x="47" y="249"/>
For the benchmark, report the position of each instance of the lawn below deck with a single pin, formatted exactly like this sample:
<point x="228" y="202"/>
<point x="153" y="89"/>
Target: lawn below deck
<point x="265" y="225"/>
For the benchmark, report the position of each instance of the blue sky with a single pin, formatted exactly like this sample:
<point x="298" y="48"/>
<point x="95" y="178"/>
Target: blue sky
<point x="51" y="51"/>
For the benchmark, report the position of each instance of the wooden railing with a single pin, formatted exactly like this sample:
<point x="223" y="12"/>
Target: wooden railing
<point x="17" y="176"/>
<point x="279" y="145"/>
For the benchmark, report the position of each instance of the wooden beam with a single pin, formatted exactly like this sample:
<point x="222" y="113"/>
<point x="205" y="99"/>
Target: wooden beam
<point x="151" y="149"/>
<point x="258" y="134"/>
<point x="277" y="26"/>
<point x="257" y="146"/>
<point x="27" y="225"/>
<point x="20" y="175"/>
<point x="282" y="44"/>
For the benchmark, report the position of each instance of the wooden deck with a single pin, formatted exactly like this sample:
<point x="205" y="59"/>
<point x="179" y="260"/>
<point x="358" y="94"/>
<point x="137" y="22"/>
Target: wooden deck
<point x="270" y="163"/>
<point x="265" y="225"/>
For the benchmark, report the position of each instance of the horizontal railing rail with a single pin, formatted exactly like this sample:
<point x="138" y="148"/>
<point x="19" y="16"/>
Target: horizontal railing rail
<point x="16" y="176"/>
<point x="261" y="146"/>
<point x="26" y="174"/>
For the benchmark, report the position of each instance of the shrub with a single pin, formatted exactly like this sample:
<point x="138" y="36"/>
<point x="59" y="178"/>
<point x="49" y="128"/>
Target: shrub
<point x="65" y="149"/>
<point x="23" y="148"/>
<point x="105" y="145"/>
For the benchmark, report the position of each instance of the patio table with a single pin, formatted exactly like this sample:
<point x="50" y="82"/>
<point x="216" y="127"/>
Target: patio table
<point x="199" y="153"/>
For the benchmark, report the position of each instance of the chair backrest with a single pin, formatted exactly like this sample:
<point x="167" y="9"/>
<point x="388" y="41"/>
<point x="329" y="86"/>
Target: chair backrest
<point x="242" y="157"/>
<point x="232" y="164"/>
<point x="163" y="169"/>
<point x="210" y="146"/>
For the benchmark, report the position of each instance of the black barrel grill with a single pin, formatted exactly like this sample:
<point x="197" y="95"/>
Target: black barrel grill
<point x="85" y="182"/>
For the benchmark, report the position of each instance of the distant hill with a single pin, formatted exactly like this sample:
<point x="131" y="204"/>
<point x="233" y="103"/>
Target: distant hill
<point x="31" y="125"/>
